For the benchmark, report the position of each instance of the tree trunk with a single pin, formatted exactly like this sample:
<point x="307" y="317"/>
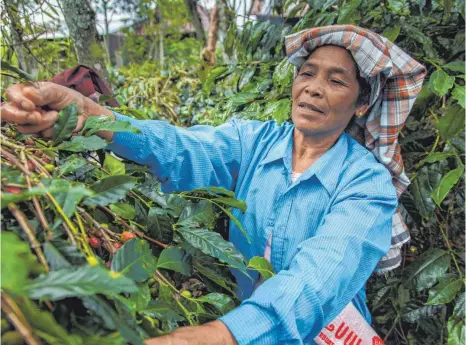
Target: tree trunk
<point x="208" y="53"/>
<point x="16" y="33"/>
<point x="192" y="9"/>
<point x="80" y="19"/>
<point x="107" y="24"/>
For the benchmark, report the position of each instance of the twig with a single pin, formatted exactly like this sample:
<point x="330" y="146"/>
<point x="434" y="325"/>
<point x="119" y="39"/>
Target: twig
<point x="103" y="231"/>
<point x="18" y="320"/>
<point x="23" y="222"/>
<point x="137" y="232"/>
<point x="14" y="160"/>
<point x="38" y="208"/>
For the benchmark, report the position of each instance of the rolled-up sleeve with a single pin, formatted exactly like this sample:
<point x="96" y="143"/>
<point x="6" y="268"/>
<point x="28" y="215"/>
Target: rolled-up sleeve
<point x="326" y="272"/>
<point x="183" y="159"/>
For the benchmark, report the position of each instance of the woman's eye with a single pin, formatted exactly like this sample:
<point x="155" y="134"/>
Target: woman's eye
<point x="336" y="81"/>
<point x="309" y="74"/>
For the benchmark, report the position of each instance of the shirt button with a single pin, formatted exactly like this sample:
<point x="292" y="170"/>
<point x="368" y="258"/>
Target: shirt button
<point x="270" y="223"/>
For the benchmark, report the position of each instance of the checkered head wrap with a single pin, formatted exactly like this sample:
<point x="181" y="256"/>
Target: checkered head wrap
<point x="396" y="80"/>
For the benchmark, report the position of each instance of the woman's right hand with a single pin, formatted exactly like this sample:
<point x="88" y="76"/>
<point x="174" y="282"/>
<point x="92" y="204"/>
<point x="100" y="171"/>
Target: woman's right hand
<point x="27" y="99"/>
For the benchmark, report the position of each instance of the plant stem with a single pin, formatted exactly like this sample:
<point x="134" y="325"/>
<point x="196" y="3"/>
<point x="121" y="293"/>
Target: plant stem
<point x="24" y="223"/>
<point x="444" y="235"/>
<point x="137" y="232"/>
<point x="18" y="320"/>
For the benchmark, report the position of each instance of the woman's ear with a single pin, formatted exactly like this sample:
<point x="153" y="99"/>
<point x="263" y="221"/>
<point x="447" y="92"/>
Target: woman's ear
<point x="361" y="110"/>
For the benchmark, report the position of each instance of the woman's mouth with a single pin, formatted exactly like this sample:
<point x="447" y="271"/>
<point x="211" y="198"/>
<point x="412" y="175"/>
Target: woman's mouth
<point x="308" y="106"/>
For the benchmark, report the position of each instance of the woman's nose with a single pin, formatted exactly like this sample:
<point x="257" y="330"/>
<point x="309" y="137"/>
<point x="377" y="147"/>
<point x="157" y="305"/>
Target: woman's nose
<point x="314" y="89"/>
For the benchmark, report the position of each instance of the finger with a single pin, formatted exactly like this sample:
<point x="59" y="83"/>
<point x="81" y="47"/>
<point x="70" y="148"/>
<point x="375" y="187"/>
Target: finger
<point x="48" y="120"/>
<point x="40" y="93"/>
<point x="48" y="133"/>
<point x="15" y="94"/>
<point x="13" y="114"/>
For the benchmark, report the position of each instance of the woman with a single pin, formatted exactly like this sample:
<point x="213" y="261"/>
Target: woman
<point x="320" y="205"/>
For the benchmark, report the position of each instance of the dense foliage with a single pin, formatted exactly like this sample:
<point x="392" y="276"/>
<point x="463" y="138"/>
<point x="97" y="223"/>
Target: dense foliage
<point x="117" y="260"/>
<point x="421" y="303"/>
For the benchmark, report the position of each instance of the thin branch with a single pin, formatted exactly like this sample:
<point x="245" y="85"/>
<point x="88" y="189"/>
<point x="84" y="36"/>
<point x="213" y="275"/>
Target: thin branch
<point x="137" y="232"/>
<point x="24" y="223"/>
<point x="18" y="320"/>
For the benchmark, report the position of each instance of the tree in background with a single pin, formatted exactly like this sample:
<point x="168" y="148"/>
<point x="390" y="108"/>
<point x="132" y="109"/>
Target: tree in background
<point x="17" y="31"/>
<point x="80" y="19"/>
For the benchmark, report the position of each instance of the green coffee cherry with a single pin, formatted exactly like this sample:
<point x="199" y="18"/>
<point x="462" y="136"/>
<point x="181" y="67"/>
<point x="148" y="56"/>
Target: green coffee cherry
<point x="186" y="293"/>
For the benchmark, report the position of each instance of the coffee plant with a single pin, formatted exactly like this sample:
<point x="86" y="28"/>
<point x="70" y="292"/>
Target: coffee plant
<point x="116" y="260"/>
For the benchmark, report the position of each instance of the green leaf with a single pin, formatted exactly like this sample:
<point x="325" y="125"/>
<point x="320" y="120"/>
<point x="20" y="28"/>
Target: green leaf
<point x="283" y="75"/>
<point x="400" y="7"/>
<point x="237" y="223"/>
<point x="220" y="301"/>
<point x="22" y="74"/>
<point x="97" y="123"/>
<point x="216" y="277"/>
<point x="77" y="282"/>
<point x="72" y="164"/>
<point x="67" y="251"/>
<point x="380" y="297"/>
<point x="55" y="259"/>
<point x="279" y="110"/>
<point x="68" y="195"/>
<point x="123" y="210"/>
<point x="211" y="243"/>
<point x="135" y="260"/>
<point x="114" y="320"/>
<point x="436" y="157"/>
<point x="66" y="123"/>
<point x="349" y="13"/>
<point x="446" y="184"/>
<point x="420" y="314"/>
<point x="162" y="311"/>
<point x="82" y="144"/>
<point x="262" y="266"/>
<point x="456" y="66"/>
<point x="451" y="123"/>
<point x="445" y="292"/>
<point x="7" y="198"/>
<point x="111" y="339"/>
<point x="140" y="299"/>
<point x="113" y="166"/>
<point x="427" y="268"/>
<point x="197" y="215"/>
<point x="456" y="332"/>
<point x="17" y="261"/>
<point x="458" y="310"/>
<point x="174" y="259"/>
<point x="440" y="82"/>
<point x="458" y="93"/>
<point x="45" y="326"/>
<point x="392" y="33"/>
<point x="110" y="190"/>
<point x="427" y="178"/>
<point x="246" y="76"/>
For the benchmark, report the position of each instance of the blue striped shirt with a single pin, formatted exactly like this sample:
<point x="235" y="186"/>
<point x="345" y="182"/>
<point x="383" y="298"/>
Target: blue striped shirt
<point x="329" y="228"/>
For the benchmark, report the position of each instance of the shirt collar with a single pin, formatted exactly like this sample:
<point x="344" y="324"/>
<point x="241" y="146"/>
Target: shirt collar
<point x="281" y="148"/>
<point x="327" y="168"/>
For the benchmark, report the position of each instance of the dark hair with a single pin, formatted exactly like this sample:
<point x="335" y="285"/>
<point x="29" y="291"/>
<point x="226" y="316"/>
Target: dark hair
<point x="364" y="89"/>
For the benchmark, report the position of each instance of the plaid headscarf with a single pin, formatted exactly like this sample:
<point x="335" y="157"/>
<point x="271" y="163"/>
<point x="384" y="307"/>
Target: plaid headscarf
<point x="395" y="79"/>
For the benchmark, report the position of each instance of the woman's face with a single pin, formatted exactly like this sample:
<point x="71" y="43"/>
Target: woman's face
<point x="325" y="92"/>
